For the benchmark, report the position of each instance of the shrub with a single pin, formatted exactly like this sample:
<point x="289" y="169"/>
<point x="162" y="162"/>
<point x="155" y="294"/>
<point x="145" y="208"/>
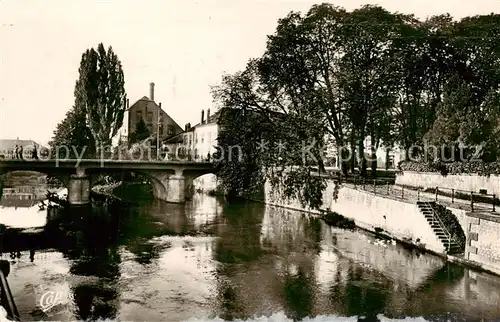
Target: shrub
<point x="469" y="167"/>
<point x="452" y="225"/>
<point x="337" y="220"/>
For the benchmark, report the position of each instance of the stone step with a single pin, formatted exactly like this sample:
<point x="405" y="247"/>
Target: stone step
<point x="425" y="202"/>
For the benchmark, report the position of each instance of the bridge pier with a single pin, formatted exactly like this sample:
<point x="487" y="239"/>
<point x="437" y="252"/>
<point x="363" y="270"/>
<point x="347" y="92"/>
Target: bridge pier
<point x="2" y="179"/>
<point x="79" y="188"/>
<point x="172" y="181"/>
<point x="176" y="188"/>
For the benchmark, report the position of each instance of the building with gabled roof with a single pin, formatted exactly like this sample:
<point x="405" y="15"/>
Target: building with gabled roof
<point x="158" y="122"/>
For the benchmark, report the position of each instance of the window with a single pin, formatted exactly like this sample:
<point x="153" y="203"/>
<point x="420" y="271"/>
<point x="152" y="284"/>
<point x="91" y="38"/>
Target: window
<point x="170" y="130"/>
<point x="150" y="117"/>
<point x="139" y="115"/>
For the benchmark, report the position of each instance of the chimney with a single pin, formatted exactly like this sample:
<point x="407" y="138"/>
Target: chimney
<point x="202" y="116"/>
<point x="159" y="104"/>
<point x="208" y="115"/>
<point x="128" y="104"/>
<point x="152" y="91"/>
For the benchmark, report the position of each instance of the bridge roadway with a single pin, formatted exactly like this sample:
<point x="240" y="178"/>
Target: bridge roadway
<point x="172" y="180"/>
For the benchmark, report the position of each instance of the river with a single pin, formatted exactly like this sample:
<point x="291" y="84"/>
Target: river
<point x="208" y="260"/>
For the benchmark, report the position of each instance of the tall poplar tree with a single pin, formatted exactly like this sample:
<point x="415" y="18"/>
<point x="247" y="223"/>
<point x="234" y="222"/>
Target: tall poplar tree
<point x="100" y="92"/>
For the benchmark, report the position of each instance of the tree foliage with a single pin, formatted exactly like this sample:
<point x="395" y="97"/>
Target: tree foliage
<point x="339" y="77"/>
<point x="141" y="132"/>
<point x="72" y="134"/>
<point x="100" y="92"/>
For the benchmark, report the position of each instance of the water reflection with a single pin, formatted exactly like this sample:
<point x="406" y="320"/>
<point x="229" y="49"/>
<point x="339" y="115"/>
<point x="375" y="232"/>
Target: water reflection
<point x="208" y="259"/>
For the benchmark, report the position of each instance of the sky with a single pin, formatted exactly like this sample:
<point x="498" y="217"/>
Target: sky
<point x="183" y="46"/>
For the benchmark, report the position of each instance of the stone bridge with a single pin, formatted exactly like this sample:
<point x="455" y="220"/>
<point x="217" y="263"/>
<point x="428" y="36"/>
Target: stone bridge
<point x="172" y="181"/>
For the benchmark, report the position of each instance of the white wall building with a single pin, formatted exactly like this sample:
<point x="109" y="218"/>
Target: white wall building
<point x="205" y="136"/>
<point x="196" y="142"/>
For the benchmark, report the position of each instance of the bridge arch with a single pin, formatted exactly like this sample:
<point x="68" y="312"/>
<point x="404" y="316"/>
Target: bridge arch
<point x="172" y="181"/>
<point x="206" y="182"/>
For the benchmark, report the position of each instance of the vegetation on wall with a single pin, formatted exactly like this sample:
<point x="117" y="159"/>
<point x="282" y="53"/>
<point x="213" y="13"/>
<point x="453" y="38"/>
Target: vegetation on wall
<point x="478" y="167"/>
<point x="452" y="225"/>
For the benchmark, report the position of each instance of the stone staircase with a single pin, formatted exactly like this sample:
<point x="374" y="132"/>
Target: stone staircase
<point x="427" y="208"/>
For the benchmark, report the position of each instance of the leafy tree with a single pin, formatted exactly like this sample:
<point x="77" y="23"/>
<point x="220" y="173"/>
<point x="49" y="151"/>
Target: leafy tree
<point x="337" y="76"/>
<point x="72" y="133"/>
<point x="237" y="159"/>
<point x="100" y="92"/>
<point x="141" y="132"/>
<point x="367" y="79"/>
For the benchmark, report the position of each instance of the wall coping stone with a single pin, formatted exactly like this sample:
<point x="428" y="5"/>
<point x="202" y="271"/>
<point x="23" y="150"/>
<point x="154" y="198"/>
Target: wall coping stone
<point x="402" y="172"/>
<point x="483" y="215"/>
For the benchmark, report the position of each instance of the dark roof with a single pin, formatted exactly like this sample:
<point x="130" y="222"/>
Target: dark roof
<point x="212" y="119"/>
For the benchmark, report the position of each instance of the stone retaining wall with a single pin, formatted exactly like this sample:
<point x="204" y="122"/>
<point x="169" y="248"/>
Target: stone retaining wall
<point x="467" y="182"/>
<point x="402" y="220"/>
<point x="483" y="240"/>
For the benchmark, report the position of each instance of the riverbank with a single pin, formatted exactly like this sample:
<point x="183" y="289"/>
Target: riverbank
<point x="402" y="220"/>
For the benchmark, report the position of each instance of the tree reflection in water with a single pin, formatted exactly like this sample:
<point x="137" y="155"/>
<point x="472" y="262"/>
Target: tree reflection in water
<point x="299" y="295"/>
<point x="240" y="236"/>
<point x="92" y="244"/>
